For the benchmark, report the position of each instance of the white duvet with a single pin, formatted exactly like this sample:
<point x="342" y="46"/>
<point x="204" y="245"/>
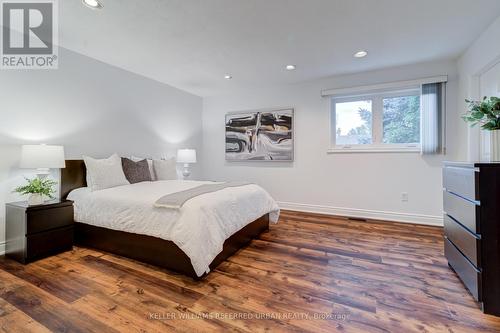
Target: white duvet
<point x="199" y="228"/>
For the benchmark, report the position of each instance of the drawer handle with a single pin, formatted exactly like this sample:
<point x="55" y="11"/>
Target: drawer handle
<point x="476" y="236"/>
<point x="475" y="202"/>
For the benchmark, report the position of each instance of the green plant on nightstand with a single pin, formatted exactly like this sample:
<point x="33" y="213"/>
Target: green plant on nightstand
<point x="486" y="113"/>
<point x="37" y="188"/>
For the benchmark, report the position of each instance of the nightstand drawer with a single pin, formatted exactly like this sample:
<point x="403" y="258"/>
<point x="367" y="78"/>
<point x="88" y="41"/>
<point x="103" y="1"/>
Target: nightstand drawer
<point x="48" y="243"/>
<point x="464" y="211"/>
<point x="470" y="276"/>
<point x="468" y="243"/>
<point x="47" y="219"/>
<point x="461" y="181"/>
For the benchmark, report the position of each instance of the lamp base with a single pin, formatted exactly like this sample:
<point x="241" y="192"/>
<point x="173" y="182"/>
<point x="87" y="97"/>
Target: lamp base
<point x="186" y="172"/>
<point x="42" y="173"/>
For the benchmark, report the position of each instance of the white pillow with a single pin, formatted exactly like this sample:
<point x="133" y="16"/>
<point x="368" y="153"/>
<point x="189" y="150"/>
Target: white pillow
<point x="150" y="164"/>
<point x="165" y="169"/>
<point x="105" y="173"/>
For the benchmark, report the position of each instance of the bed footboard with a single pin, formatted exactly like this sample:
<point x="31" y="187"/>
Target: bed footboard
<point x="160" y="252"/>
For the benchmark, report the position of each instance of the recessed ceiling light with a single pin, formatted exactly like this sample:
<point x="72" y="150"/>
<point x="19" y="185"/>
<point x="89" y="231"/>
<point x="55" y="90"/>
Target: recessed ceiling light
<point x="360" y="54"/>
<point x="228" y="77"/>
<point x="291" y="67"/>
<point x="94" y="4"/>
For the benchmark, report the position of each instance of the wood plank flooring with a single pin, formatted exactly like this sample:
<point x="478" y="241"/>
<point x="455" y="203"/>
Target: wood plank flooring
<point x="309" y="273"/>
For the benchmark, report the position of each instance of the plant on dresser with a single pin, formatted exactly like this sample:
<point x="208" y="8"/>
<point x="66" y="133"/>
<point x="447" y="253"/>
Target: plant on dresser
<point x="487" y="114"/>
<point x="38" y="189"/>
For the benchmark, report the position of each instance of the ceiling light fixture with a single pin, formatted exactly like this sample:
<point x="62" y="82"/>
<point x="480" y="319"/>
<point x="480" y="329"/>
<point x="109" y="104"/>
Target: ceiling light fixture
<point x="228" y="77"/>
<point x="360" y="54"/>
<point x="291" y="67"/>
<point x="94" y="4"/>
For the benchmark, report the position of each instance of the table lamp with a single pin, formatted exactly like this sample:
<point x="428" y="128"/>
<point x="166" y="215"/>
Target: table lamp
<point x="186" y="156"/>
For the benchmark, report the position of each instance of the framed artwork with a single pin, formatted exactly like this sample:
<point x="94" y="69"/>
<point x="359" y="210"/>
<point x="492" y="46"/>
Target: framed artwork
<point x="260" y="135"/>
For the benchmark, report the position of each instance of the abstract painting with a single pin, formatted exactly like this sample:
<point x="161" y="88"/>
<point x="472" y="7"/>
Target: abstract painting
<point x="265" y="135"/>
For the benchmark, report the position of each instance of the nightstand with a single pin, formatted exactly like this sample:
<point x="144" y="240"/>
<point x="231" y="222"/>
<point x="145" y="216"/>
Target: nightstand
<point x="35" y="232"/>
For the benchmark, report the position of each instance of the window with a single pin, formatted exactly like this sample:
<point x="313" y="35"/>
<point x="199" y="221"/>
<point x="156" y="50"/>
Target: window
<point x="385" y="121"/>
<point x="354" y="122"/>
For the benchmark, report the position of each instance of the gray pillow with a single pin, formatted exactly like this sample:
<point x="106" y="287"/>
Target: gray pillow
<point x="136" y="172"/>
<point x="165" y="169"/>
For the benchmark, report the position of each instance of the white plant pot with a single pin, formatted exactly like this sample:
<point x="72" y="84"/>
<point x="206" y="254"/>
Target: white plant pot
<point x="35" y="199"/>
<point x="495" y="146"/>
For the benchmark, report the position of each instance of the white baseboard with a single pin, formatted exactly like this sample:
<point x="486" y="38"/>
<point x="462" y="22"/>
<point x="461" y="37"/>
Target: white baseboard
<point x="2" y="248"/>
<point x="365" y="213"/>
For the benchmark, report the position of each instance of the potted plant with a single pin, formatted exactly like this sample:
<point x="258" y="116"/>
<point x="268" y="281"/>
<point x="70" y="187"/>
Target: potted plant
<point x="38" y="189"/>
<point x="487" y="114"/>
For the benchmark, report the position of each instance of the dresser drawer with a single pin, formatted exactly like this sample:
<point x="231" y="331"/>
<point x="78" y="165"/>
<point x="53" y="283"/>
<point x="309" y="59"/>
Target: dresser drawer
<point x="48" y="219"/>
<point x="470" y="276"/>
<point x="461" y="181"/>
<point x="468" y="243"/>
<point x="464" y="211"/>
<point x="48" y="243"/>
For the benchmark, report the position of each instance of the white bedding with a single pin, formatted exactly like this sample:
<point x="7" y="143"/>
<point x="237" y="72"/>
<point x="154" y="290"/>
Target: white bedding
<point x="199" y="228"/>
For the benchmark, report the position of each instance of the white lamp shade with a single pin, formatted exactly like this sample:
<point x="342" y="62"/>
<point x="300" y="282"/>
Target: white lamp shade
<point x="186" y="156"/>
<point x="42" y="157"/>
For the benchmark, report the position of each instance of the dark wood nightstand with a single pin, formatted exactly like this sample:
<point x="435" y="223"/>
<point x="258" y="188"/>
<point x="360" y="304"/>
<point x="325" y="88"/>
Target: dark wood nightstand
<point x="35" y="232"/>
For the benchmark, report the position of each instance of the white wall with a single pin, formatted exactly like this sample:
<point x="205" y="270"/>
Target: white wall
<point x="480" y="57"/>
<point x="90" y="108"/>
<point x="96" y="109"/>
<point x="355" y="184"/>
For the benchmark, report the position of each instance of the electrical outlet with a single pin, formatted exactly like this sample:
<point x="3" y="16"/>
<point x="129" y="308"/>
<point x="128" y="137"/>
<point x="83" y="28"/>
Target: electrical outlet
<point x="404" y="197"/>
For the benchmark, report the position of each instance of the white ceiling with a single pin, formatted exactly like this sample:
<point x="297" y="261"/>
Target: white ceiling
<point x="191" y="44"/>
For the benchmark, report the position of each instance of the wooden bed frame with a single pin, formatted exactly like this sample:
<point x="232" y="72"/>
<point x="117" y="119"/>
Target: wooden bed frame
<point x="147" y="249"/>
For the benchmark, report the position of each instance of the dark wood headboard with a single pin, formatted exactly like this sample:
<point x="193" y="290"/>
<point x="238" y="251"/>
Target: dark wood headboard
<point x="73" y="176"/>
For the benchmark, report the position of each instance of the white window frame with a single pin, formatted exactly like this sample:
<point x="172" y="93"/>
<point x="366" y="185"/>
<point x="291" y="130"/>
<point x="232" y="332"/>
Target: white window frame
<point x="377" y="123"/>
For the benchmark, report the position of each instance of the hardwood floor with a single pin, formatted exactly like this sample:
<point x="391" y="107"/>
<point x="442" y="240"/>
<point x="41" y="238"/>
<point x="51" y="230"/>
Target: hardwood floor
<point x="309" y="273"/>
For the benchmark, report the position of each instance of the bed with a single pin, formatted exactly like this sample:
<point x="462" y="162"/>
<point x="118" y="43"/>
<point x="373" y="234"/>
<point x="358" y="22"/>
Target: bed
<point x="191" y="241"/>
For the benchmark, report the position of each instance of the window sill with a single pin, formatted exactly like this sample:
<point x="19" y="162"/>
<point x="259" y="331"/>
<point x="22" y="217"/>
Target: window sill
<point x="351" y="150"/>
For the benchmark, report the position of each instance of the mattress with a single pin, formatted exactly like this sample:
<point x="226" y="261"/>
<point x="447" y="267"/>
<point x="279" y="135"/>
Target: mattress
<point x="199" y="228"/>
